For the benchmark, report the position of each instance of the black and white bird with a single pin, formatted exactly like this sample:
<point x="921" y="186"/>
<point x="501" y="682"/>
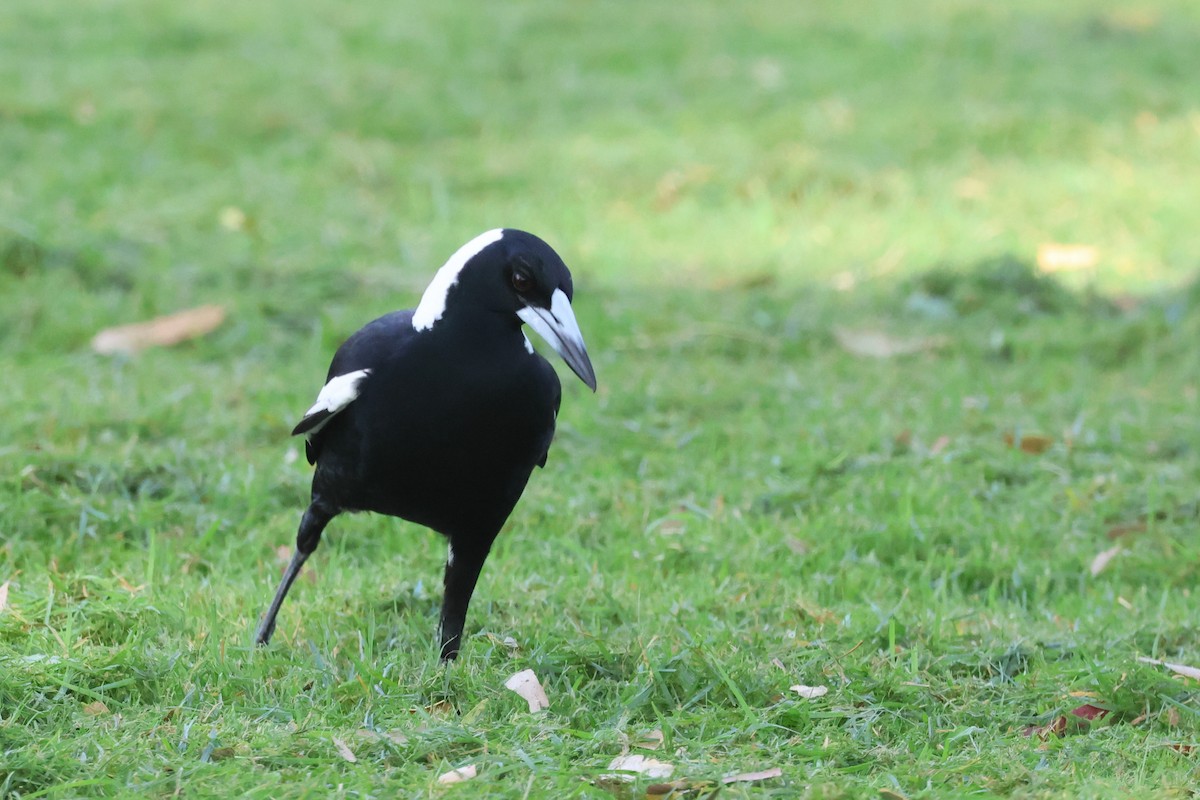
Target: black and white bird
<point x="439" y="414"/>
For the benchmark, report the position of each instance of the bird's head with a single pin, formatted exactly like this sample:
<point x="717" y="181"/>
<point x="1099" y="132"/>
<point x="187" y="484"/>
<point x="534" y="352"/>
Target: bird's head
<point x="510" y="272"/>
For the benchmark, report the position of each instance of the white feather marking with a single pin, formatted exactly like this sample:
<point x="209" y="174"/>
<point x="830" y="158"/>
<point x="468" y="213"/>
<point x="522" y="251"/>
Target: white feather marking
<point x="449" y="555"/>
<point x="433" y="302"/>
<point x="340" y="392"/>
<point x="528" y="344"/>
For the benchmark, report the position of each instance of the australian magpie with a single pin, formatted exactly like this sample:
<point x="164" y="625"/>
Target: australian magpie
<point x="439" y="414"/>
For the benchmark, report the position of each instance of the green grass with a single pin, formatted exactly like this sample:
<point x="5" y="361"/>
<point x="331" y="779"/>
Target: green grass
<point x="743" y="505"/>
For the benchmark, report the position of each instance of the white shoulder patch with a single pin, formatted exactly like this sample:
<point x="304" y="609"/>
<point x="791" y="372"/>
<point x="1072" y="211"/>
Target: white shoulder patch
<point x="433" y="302"/>
<point x="340" y="392"/>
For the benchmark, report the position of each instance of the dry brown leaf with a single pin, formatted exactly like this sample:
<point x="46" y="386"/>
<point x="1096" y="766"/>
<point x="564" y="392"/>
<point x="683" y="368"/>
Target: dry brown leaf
<point x="1052" y="257"/>
<point x="222" y="753"/>
<point x="1102" y="558"/>
<point x="1056" y="728"/>
<point x="159" y="332"/>
<point x="395" y="737"/>
<point x="1034" y="444"/>
<point x="3" y="595"/>
<point x="458" y="775"/>
<point x="821" y="616"/>
<point x="1089" y="712"/>
<point x="877" y="344"/>
<point x="741" y="283"/>
<point x="1178" y="669"/>
<point x="650" y="741"/>
<point x="442" y="708"/>
<point x="95" y="708"/>
<point x="642" y="765"/>
<point x="891" y="794"/>
<point x="682" y="787"/>
<point x="810" y="692"/>
<point x="344" y="750"/>
<point x="751" y="777"/>
<point x="127" y="586"/>
<point x="526" y="684"/>
<point x="1125" y="529"/>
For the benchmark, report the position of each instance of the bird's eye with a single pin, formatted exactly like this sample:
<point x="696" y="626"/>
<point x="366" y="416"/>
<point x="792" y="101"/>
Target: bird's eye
<point x="521" y="281"/>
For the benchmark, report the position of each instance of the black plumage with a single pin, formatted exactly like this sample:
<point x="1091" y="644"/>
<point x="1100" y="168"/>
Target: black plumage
<point x="439" y="414"/>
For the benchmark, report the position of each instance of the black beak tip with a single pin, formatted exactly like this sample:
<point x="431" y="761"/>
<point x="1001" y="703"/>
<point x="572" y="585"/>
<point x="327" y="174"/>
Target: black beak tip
<point x="587" y="375"/>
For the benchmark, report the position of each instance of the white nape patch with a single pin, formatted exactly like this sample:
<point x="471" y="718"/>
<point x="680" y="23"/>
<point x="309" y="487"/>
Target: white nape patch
<point x="433" y="302"/>
<point x="528" y="344"/>
<point x="340" y="392"/>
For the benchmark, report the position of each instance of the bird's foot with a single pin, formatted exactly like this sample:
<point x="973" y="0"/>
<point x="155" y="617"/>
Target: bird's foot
<point x="263" y="635"/>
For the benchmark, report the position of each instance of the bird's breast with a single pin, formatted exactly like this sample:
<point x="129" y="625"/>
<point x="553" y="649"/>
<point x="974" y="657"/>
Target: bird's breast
<point x="460" y="442"/>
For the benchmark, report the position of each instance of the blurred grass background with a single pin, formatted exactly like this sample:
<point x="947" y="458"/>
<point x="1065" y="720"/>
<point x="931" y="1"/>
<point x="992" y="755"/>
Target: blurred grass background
<point x="798" y="139"/>
<point x="731" y="186"/>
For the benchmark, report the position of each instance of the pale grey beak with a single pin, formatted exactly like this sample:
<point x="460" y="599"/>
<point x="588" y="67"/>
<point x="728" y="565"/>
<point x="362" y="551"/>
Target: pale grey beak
<point x="558" y="327"/>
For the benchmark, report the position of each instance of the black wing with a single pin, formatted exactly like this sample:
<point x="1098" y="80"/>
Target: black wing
<point x="557" y="403"/>
<point x="361" y="353"/>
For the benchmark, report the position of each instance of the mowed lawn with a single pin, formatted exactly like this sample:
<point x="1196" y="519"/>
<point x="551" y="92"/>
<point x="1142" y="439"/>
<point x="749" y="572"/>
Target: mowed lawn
<point x="849" y="434"/>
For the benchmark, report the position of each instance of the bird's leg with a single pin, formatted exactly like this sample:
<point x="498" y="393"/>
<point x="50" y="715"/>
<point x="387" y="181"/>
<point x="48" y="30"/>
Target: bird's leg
<point x="315" y="518"/>
<point x="463" y="565"/>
